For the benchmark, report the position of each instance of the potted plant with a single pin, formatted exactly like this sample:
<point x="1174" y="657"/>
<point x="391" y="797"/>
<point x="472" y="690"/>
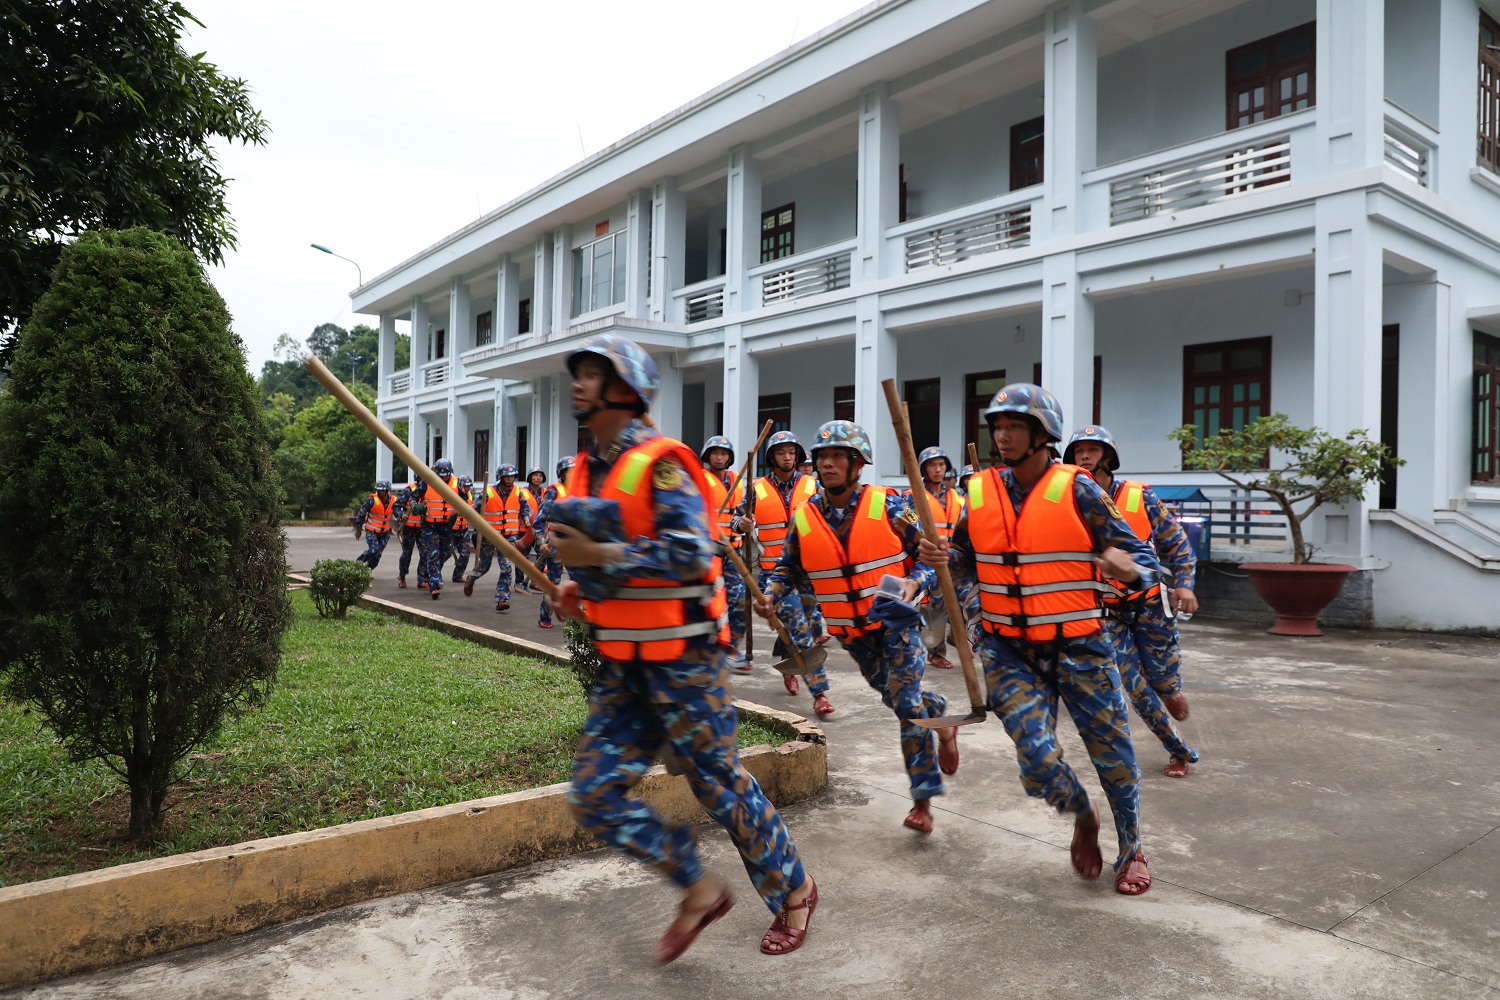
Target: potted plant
<point x="1314" y="468"/>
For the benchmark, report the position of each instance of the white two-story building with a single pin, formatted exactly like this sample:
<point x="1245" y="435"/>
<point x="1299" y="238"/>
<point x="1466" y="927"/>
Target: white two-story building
<point x="1165" y="211"/>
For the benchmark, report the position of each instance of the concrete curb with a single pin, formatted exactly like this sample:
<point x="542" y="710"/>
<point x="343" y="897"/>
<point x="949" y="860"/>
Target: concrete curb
<point x="92" y="920"/>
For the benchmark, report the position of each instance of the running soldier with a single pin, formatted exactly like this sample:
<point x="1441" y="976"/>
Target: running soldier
<point x="409" y="516"/>
<point x="437" y="525"/>
<point x="721" y="485"/>
<point x="946" y="504"/>
<point x="651" y="592"/>
<point x="549" y="563"/>
<point x="463" y="532"/>
<point x="1144" y="631"/>
<point x="504" y="506"/>
<point x="1035" y="537"/>
<point x="846" y="539"/>
<point x="375" y="517"/>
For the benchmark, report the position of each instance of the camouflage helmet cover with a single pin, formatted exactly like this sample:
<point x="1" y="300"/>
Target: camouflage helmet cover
<point x="781" y="438"/>
<point x="536" y="471"/>
<point x="1097" y="434"/>
<point x="630" y="361"/>
<point x="564" y="464"/>
<point x="844" y="434"/>
<point x="508" y="470"/>
<point x="382" y="486"/>
<point x="465" y="481"/>
<point x="928" y="454"/>
<point x="443" y="467"/>
<point x="965" y="473"/>
<point x="1028" y="400"/>
<point x="717" y="441"/>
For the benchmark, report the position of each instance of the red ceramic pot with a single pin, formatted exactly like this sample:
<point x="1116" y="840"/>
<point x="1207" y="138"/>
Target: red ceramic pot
<point x="1297" y="593"/>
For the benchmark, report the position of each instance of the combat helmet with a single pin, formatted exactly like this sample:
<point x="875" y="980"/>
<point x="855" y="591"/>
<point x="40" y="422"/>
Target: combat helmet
<point x="1099" y="435"/>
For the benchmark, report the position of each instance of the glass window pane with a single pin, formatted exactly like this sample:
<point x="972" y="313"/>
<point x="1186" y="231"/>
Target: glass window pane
<point x="1259" y="96"/>
<point x="1254" y="413"/>
<point x="1255" y="392"/>
<point x="1286" y="88"/>
<point x="582" y="262"/>
<point x="1198" y="395"/>
<point x="1198" y="422"/>
<point x="1213" y="394"/>
<point x="1259" y="116"/>
<point x="1239" y="417"/>
<point x="1213" y="422"/>
<point x="1244" y="101"/>
<point x="620" y="264"/>
<point x="1301" y="83"/>
<point x="1242" y="358"/>
<point x="1207" y="361"/>
<point x="1239" y="392"/>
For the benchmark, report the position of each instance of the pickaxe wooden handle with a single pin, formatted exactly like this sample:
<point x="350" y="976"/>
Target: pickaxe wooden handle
<point x="745" y="469"/>
<point x="977" y="711"/>
<point x="755" y="593"/>
<point x="448" y="493"/>
<point x="974" y="457"/>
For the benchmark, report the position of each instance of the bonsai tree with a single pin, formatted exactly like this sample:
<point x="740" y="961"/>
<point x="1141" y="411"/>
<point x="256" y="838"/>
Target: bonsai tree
<point x="1318" y="468"/>
<point x="145" y="590"/>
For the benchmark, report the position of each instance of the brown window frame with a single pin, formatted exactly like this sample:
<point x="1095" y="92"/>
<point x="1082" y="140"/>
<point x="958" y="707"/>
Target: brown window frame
<point x="1488" y="125"/>
<point x="776" y="230"/>
<point x="843" y="402"/>
<point x="1279" y="68"/>
<point x="1022" y="135"/>
<point x="1484" y="465"/>
<point x="523" y="316"/>
<point x="484" y="329"/>
<point x="924" y="417"/>
<point x="1225" y="380"/>
<point x="482" y="455"/>
<point x="976" y="428"/>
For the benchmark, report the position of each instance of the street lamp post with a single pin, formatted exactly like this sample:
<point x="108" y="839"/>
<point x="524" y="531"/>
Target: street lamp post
<point x="357" y="269"/>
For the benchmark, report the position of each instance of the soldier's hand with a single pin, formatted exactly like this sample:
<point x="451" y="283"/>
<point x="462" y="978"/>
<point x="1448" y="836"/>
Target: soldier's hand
<point x="933" y="555"/>
<point x="1114" y="563"/>
<point x="357" y="532"/>
<point x="565" y="604"/>
<point x="575" y="548"/>
<point x="765" y="606"/>
<point x="739" y="525"/>
<point x="1184" y="599"/>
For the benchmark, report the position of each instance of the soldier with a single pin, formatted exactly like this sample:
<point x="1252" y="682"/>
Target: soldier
<point x="549" y="563"/>
<point x="504" y="506"/>
<point x="1036" y="535"/>
<point x="847" y="540"/>
<point x="531" y="492"/>
<point x="410" y="519"/>
<point x="946" y="506"/>
<point x="463" y="533"/>
<point x="374" y="518"/>
<point x="721" y="485"/>
<point x="437" y="525"/>
<point x="1144" y="632"/>
<point x="769" y="508"/>
<point x="662" y="683"/>
<point x="963" y="480"/>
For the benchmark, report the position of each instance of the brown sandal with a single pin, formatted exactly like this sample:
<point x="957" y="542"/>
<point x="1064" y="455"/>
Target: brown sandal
<point x="1177" y="767"/>
<point x="1134" y="877"/>
<point x="673" y="943"/>
<point x="786" y="938"/>
<point x="920" y="817"/>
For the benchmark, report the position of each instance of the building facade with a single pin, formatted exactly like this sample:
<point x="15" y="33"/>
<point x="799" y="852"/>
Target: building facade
<point x="1165" y="211"/>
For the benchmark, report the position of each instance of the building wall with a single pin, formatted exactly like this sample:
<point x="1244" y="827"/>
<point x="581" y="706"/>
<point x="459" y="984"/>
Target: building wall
<point x="824" y="196"/>
<point x="1411" y="57"/>
<point x="965" y="157"/>
<point x="1408" y="595"/>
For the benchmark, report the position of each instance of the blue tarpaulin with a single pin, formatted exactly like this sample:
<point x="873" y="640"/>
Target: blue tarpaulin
<point x="1180" y="494"/>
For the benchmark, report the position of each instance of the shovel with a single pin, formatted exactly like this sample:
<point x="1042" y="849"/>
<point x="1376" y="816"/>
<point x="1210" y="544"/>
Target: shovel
<point x="802" y="661"/>
<point x="364" y="416"/>
<point x="977" y="710"/>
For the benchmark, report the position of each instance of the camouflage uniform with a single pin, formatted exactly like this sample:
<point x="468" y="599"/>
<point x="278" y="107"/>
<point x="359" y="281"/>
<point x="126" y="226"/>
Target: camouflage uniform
<point x="1146" y="644"/>
<point x="683" y="708"/>
<point x="375" y="542"/>
<point x="891" y="660"/>
<point x="550" y="564"/>
<point x="410" y="536"/>
<point x="1025" y="680"/>
<point x="935" y="612"/>
<point x="463" y="548"/>
<point x="488" y="553"/>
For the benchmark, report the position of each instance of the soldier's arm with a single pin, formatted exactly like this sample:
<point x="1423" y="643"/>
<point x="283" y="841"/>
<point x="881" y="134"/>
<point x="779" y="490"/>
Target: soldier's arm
<point x="788" y="569"/>
<point x="1173" y="551"/>
<point x="362" y="513"/>
<point x="1110" y="530"/>
<point x="682" y="549"/>
<point x="901" y="515"/>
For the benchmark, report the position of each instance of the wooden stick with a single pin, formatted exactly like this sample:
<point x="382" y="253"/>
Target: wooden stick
<point x="754" y="590"/>
<point x="745" y="469"/>
<point x="974" y="456"/>
<point x="485" y="528"/>
<point x="945" y="579"/>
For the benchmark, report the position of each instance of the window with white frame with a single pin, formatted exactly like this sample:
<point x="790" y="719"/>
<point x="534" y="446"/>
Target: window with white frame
<point x="599" y="273"/>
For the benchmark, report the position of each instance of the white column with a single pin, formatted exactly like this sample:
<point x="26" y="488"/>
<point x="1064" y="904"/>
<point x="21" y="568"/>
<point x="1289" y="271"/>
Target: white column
<point x="460" y="444"/>
<point x="1351" y="84"/>
<point x="1070" y="106"/>
<point x="419" y="322"/>
<point x="742" y="231"/>
<point x="1458" y="95"/>
<point x="562" y="429"/>
<point x="387" y="353"/>
<point x="741" y="390"/>
<point x="1067" y="341"/>
<point x="507" y="300"/>
<point x="1348" y="283"/>
<point x="460" y="325"/>
<point x="666" y="408"/>
<point x="879" y="182"/>
<point x="416" y="434"/>
<point x="541" y="286"/>
<point x="875" y="350"/>
<point x="385" y="460"/>
<point x="668" y="247"/>
<point x="562" y="278"/>
<point x="638" y="252"/>
<point x="1421" y="309"/>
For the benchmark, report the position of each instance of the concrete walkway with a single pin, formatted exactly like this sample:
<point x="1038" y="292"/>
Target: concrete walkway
<point x="1338" y="840"/>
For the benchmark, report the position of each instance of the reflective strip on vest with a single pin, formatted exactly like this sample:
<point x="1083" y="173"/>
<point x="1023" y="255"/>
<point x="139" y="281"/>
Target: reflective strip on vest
<point x="378" y="520"/>
<point x="1024" y="621"/>
<point x="1019" y="590"/>
<point x="665" y="593"/>
<point x="1028" y="558"/>
<point x="642" y="635"/>
<point x="846" y="590"/>
<point x="864" y="567"/>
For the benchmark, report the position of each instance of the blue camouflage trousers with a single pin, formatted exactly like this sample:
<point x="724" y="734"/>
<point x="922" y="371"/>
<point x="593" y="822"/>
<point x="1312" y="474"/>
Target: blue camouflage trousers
<point x="1025" y="680"/>
<point x="968" y="596"/>
<point x="685" y="709"/>
<point x="504" y="570"/>
<point x="437" y="546"/>
<point x="734" y="593"/>
<point x="789" y="610"/>
<point x="409" y="540"/>
<point x="892" y="661"/>
<point x="463" y="546"/>
<point x="1142" y="636"/>
<point x="552" y="566"/>
<point x="811" y="611"/>
<point x="375" y="543"/>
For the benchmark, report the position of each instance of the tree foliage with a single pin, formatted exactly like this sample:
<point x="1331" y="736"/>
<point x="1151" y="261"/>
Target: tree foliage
<point x="349" y="354"/>
<point x="107" y="122"/>
<point x="144" y="595"/>
<point x="326" y="456"/>
<point x="1317" y="467"/>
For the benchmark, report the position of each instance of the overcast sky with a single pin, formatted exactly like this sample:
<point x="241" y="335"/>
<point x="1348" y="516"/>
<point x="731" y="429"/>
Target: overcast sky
<point x="394" y="124"/>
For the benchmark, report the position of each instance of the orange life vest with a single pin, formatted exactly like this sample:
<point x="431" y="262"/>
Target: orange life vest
<point x="412" y="520"/>
<point x="945" y="515"/>
<point x="846" y="575"/>
<point x="716" y="492"/>
<point x="651" y="620"/>
<point x="1036" y="570"/>
<point x="439" y="511"/>
<point x="772" y="519"/>
<point x="504" y="515"/>
<point x="378" y="518"/>
<point x="1130" y="498"/>
<point x="562" y="491"/>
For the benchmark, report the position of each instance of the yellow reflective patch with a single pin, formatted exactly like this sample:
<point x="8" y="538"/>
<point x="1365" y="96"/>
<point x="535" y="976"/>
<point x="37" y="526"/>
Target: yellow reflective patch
<point x="976" y="492"/>
<point x="877" y="504"/>
<point x="762" y="491"/>
<point x="801" y="518"/>
<point x="1056" y="484"/>
<point x="635" y="468"/>
<point x="1133" y="499"/>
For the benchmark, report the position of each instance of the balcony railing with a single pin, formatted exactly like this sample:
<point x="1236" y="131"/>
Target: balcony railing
<point x="436" y="373"/>
<point x="1201" y="181"/>
<point x="699" y="302"/>
<point x="399" y="383"/>
<point x="818" y="271"/>
<point x="1408" y="145"/>
<point x="971" y="236"/>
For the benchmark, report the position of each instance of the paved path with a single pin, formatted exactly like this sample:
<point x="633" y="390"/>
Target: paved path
<point x="1338" y="840"/>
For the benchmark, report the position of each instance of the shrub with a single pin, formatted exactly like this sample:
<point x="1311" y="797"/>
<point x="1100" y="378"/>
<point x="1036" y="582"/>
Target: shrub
<point x="585" y="658"/>
<point x="144" y="596"/>
<point x="336" y="584"/>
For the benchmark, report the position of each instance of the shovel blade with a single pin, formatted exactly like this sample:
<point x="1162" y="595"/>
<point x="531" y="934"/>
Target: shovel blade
<point x="976" y="714"/>
<point x="812" y="659"/>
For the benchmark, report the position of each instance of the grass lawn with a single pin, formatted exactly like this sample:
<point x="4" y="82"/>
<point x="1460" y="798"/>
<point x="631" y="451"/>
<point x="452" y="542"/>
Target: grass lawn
<point x="369" y="717"/>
